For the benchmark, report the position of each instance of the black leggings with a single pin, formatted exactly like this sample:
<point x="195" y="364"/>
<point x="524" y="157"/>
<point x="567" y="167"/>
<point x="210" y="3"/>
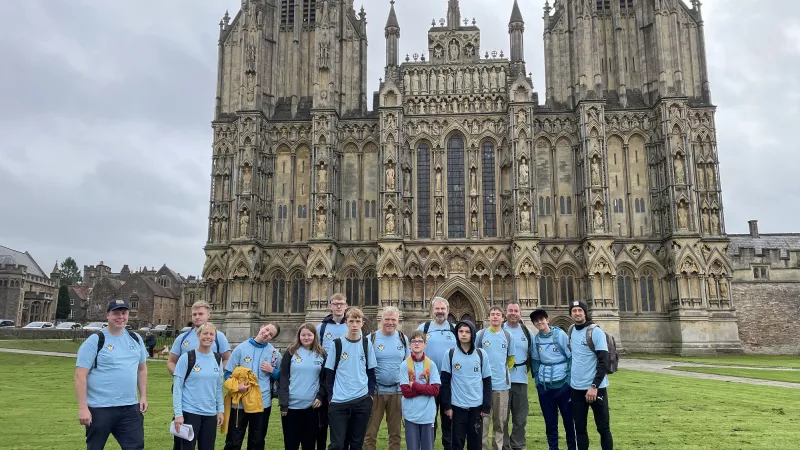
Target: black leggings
<point x="205" y="432"/>
<point x="580" y="413"/>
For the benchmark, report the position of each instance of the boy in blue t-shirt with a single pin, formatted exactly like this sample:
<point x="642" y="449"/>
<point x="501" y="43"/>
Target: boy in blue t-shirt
<point x="466" y="394"/>
<point x="201" y="313"/>
<point x="588" y="380"/>
<point x="350" y="377"/>
<point x="499" y="345"/>
<point x="419" y="381"/>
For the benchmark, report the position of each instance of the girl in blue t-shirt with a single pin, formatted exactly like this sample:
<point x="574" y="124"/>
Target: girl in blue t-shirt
<point x="301" y="390"/>
<point x="197" y="399"/>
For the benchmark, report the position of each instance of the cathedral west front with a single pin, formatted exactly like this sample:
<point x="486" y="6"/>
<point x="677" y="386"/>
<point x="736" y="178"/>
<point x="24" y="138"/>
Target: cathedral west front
<point x="463" y="181"/>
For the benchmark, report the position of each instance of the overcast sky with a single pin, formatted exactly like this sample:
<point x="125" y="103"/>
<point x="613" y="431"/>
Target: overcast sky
<point x="106" y="110"/>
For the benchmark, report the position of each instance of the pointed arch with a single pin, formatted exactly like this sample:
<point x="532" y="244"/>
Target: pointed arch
<point x="460" y="284"/>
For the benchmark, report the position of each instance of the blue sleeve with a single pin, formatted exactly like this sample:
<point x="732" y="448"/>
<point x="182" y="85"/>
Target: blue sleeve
<point x="371" y="361"/>
<point x="177" y="385"/>
<point x="143" y="348"/>
<point x="276" y="364"/>
<point x="534" y="350"/>
<point x="512" y="345"/>
<point x="421" y="327"/>
<point x="176" y="346"/>
<point x="233" y="361"/>
<point x="227" y="375"/>
<point x="563" y="340"/>
<point x="87" y="352"/>
<point x="220" y="404"/>
<point x="329" y="360"/>
<point x="224" y="345"/>
<point x="486" y="370"/>
<point x="446" y="362"/>
<point x="599" y="339"/>
<point x="435" y="378"/>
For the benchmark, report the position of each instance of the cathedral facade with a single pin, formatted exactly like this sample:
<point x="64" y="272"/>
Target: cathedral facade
<point x="460" y="182"/>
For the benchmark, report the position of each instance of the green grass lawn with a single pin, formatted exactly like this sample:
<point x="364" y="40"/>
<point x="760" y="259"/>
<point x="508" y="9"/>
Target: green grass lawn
<point x="791" y="376"/>
<point x="648" y="411"/>
<point x="727" y="360"/>
<point x="43" y="345"/>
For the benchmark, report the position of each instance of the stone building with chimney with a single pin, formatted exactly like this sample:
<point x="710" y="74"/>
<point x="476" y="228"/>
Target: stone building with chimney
<point x="27" y="294"/>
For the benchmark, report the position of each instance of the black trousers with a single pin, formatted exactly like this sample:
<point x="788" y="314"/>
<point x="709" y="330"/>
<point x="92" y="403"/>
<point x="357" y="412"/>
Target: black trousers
<point x="297" y="428"/>
<point x="348" y="421"/>
<point x="580" y="413"/>
<point x="205" y="432"/>
<point x="254" y="424"/>
<point x="125" y="423"/>
<point x="467" y="428"/>
<point x="447" y="426"/>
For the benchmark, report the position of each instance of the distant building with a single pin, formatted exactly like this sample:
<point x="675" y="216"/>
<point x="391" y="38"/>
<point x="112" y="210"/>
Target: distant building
<point x="27" y="294"/>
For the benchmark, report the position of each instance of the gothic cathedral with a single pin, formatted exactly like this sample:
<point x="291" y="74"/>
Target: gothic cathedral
<point x="460" y="183"/>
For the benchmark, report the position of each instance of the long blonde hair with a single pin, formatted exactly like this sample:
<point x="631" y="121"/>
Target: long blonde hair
<point x="315" y="346"/>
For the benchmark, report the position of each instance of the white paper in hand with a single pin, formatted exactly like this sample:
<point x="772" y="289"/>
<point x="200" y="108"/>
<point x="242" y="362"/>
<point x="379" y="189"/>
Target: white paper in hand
<point x="186" y="431"/>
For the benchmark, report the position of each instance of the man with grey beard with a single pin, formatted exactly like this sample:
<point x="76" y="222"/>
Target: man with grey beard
<point x="441" y="337"/>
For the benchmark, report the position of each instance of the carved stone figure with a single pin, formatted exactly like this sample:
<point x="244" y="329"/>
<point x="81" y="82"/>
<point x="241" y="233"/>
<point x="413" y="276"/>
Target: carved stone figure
<point x="701" y="177"/>
<point x="679" y="172"/>
<point x="723" y="288"/>
<point x="474" y="223"/>
<point x="389" y="222"/>
<point x="683" y="216"/>
<point x="322" y="178"/>
<point x="438" y="183"/>
<point x="454" y="50"/>
<point x="450" y="82"/>
<point x="468" y="81"/>
<point x="596" y="180"/>
<point x="390" y="178"/>
<point x="706" y="221"/>
<point x="507" y="224"/>
<point x="525" y="219"/>
<point x="485" y="80"/>
<point x="439" y="224"/>
<point x="415" y="83"/>
<point x="406" y="183"/>
<point x="246" y="178"/>
<point x="598" y="217"/>
<point x="520" y="117"/>
<point x="322" y="223"/>
<point x="476" y="81"/>
<point x="224" y="229"/>
<point x="712" y="183"/>
<point x="523" y="172"/>
<point x="492" y="80"/>
<point x="501" y="79"/>
<point x="224" y="187"/>
<point x="712" y="287"/>
<point x="459" y="81"/>
<point x="715" y="222"/>
<point x="244" y="221"/>
<point x="407" y="225"/>
<point x="440" y="83"/>
<point x="407" y="83"/>
<point x="473" y="183"/>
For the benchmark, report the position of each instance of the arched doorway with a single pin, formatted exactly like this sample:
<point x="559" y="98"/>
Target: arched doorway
<point x="461" y="309"/>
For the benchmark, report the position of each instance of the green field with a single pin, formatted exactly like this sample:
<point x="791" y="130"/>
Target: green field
<point x="43" y="345"/>
<point x="790" y="376"/>
<point x="649" y="411"/>
<point x="792" y="362"/>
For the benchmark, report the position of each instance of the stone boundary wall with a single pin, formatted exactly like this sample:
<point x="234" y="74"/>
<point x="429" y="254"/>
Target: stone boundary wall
<point x="768" y="317"/>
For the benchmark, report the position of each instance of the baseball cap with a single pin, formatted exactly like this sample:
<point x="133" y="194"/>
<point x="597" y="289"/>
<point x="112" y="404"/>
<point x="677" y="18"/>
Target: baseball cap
<point x="117" y="304"/>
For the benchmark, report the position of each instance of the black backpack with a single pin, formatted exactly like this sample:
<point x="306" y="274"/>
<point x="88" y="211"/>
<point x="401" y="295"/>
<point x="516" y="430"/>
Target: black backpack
<point x="401" y="336"/>
<point x="428" y="326"/>
<point x="613" y="355"/>
<point x="192" y="360"/>
<point x="452" y="350"/>
<point x="101" y="341"/>
<point x="337" y="344"/>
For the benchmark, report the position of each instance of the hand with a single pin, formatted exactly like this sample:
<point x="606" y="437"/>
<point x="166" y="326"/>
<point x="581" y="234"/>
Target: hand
<point x="484" y="414"/>
<point x="284" y="412"/>
<point x="143" y="405"/>
<point x="267" y="367"/>
<point x="178" y="423"/>
<point x="84" y="416"/>
<point x="220" y="419"/>
<point x="591" y="395"/>
<point x="316" y="404"/>
<point x="449" y="413"/>
<point x="243" y="387"/>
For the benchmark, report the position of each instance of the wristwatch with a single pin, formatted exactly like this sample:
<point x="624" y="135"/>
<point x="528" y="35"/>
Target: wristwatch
<point x="594" y="386"/>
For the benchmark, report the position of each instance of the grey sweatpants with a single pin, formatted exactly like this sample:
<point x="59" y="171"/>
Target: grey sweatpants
<point x="518" y="410"/>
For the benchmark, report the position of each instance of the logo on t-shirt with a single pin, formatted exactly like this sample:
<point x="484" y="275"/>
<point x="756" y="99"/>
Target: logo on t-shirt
<point x="345" y="355"/>
<point x="185" y="343"/>
<point x="110" y="347"/>
<point x="555" y="349"/>
<point x="216" y="368"/>
<point x="328" y="335"/>
<point x="486" y="343"/>
<point x="457" y="366"/>
<point x="380" y="347"/>
<point x="247" y="359"/>
<point x="399" y="346"/>
<point x="477" y="368"/>
<point x="298" y="359"/>
<point x="427" y="336"/>
<point x="197" y="367"/>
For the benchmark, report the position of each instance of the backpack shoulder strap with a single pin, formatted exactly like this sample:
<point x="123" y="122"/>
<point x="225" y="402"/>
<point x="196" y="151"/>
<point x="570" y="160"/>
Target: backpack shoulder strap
<point x="371" y="338"/>
<point x="191" y="360"/>
<point x="450" y="352"/>
<point x="426" y="327"/>
<point x="569" y="336"/>
<point x="402" y="339"/>
<point x="337" y="344"/>
<point x="101" y="341"/>
<point x="480" y="356"/>
<point x="134" y="336"/>
<point x="216" y="342"/>
<point x="365" y="346"/>
<point x="508" y="340"/>
<point x="218" y="357"/>
<point x="589" y="340"/>
<point x="322" y="332"/>
<point x="452" y="328"/>
<point x="183" y="338"/>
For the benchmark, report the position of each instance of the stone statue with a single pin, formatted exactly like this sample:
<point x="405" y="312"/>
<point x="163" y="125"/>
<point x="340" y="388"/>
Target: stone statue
<point x="459" y="81"/>
<point x="468" y="81"/>
<point x="723" y="288"/>
<point x="415" y="83"/>
<point x="525" y="219"/>
<point x="389" y="222"/>
<point x="321" y="223"/>
<point x="438" y="224"/>
<point x="474" y="223"/>
<point x="390" y="178"/>
<point x="523" y="172"/>
<point x="322" y="178"/>
<point x="683" y="216"/>
<point x="507" y="223"/>
<point x="520" y="117"/>
<point x="710" y="177"/>
<point x="596" y="172"/>
<point x="224" y="229"/>
<point x="440" y="83"/>
<point x="715" y="222"/>
<point x="701" y="175"/>
<point x="679" y="172"/>
<point x="244" y="221"/>
<point x="246" y="178"/>
<point x="476" y="81"/>
<point x="454" y="50"/>
<point x="598" y="217"/>
<point x="706" y="222"/>
<point x="407" y="225"/>
<point x="407" y="83"/>
<point x="450" y="82"/>
<point x="407" y="183"/>
<point x="485" y="80"/>
<point x="473" y="183"/>
<point x="215" y="236"/>
<point x="502" y="79"/>
<point x="492" y="79"/>
<point x="712" y="288"/>
<point x="438" y="180"/>
<point x="224" y="187"/>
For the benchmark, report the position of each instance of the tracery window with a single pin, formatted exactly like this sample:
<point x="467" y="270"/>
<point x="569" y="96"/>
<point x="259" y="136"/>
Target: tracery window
<point x="423" y="191"/>
<point x="648" y="291"/>
<point x="370" y="289"/>
<point x="351" y="288"/>
<point x="567" y="287"/>
<point x="298" y="293"/>
<point x="625" y="290"/>
<point x="489" y="198"/>
<point x="278" y="293"/>
<point x="456" y="214"/>
<point x="547" y="294"/>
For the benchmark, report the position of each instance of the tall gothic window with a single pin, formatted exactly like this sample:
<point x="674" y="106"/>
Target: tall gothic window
<point x="489" y="199"/>
<point x="287" y="12"/>
<point x="366" y="208"/>
<point x="547" y="294"/>
<point x="298" y="293"/>
<point x="567" y="287"/>
<point x="278" y="293"/>
<point x="351" y="288"/>
<point x="648" y="291"/>
<point x="353" y="211"/>
<point x="456" y="214"/>
<point x="624" y="290"/>
<point x="309" y="12"/>
<point x="423" y="191"/>
<point x="347" y="209"/>
<point x="370" y="289"/>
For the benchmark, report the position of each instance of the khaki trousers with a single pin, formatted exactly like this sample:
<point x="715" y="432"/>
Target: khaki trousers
<point x="392" y="406"/>
<point x="499" y="417"/>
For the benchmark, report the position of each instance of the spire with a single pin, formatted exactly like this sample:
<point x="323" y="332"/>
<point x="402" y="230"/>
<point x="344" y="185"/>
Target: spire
<point x="55" y="268"/>
<point x="392" y="41"/>
<point x="516" y="15"/>
<point x="392" y="21"/>
<point x="453" y="14"/>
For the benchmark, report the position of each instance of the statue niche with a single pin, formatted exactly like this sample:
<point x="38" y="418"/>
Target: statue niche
<point x="322" y="178"/>
<point x="390" y="179"/>
<point x="523" y="172"/>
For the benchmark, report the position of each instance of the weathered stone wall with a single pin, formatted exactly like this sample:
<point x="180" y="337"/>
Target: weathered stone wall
<point x="767" y="317"/>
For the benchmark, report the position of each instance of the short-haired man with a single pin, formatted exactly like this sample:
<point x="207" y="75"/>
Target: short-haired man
<point x="350" y="376"/>
<point x="466" y="392"/>
<point x="588" y="378"/>
<point x="391" y="350"/>
<point x="332" y="327"/>
<point x="518" y="394"/>
<point x="551" y="357"/>
<point x="185" y="342"/>
<point x="441" y="337"/>
<point x="499" y="346"/>
<point x="107" y="375"/>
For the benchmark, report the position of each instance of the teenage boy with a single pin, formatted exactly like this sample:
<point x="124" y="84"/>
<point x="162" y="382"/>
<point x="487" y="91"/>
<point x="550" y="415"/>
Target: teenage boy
<point x="466" y="394"/>
<point x="588" y="378"/>
<point x="498" y="344"/>
<point x="332" y="327"/>
<point x="201" y="313"/>
<point x="518" y="394"/>
<point x="440" y="336"/>
<point x="111" y="365"/>
<point x="419" y="381"/>
<point x="551" y="358"/>
<point x="350" y="376"/>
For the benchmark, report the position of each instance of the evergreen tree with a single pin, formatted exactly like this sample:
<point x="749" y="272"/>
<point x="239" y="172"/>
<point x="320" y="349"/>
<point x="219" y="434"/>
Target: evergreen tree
<point x="62" y="307"/>
<point x="70" y="273"/>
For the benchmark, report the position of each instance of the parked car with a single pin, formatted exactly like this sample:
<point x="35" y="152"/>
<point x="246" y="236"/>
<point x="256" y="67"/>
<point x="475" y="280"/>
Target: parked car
<point x="5" y="323"/>
<point x="161" y="328"/>
<point x="185" y="329"/>
<point x="145" y="329"/>
<point x="69" y="326"/>
<point x="38" y="325"/>
<point x="95" y="326"/>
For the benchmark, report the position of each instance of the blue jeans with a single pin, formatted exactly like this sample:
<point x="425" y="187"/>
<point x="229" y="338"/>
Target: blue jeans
<point x="125" y="423"/>
<point x="419" y="436"/>
<point x="551" y="401"/>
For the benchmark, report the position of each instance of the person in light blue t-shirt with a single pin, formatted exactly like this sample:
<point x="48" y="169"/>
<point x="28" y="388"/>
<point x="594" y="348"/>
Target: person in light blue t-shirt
<point x="350" y="378"/>
<point x="332" y="327"/>
<point x="197" y="392"/>
<point x="107" y="375"/>
<point x="302" y="391"/>
<point x="419" y="381"/>
<point x="588" y="380"/>
<point x="515" y="439"/>
<point x="497" y="342"/>
<point x="258" y="355"/>
<point x="201" y="313"/>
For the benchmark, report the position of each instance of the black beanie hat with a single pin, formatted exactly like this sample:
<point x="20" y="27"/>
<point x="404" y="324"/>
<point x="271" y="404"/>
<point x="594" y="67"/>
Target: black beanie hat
<point x="581" y="305"/>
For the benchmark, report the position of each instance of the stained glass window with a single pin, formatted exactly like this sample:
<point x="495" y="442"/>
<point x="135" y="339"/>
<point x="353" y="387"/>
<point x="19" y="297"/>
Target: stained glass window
<point x="423" y="191"/>
<point x="456" y="213"/>
<point x="489" y="198"/>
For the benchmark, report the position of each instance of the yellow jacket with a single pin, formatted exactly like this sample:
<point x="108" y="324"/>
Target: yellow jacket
<point x="250" y="399"/>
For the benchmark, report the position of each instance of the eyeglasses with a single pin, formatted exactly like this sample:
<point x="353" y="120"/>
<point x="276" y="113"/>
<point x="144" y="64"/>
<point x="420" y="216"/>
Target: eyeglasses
<point x="338" y="305"/>
<point x="417" y="342"/>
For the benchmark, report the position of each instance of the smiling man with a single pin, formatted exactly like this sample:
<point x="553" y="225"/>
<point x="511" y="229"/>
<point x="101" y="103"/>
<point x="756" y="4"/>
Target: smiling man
<point x="518" y="394"/>
<point x="201" y="313"/>
<point x="499" y="346"/>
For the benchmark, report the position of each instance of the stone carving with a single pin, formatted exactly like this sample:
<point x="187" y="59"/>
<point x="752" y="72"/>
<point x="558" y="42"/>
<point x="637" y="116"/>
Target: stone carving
<point x="520" y="117"/>
<point x="502" y="79"/>
<point x="683" y="216"/>
<point x="224" y="187"/>
<point x="250" y="54"/>
<point x="251" y="86"/>
<point x="407" y="225"/>
<point x="455" y="50"/>
<point x="706" y="221"/>
<point x="224" y="229"/>
<point x="322" y="178"/>
<point x="712" y="287"/>
<point x="598" y="218"/>
<point x="438" y="177"/>
<point x="715" y="222"/>
<point x="440" y="81"/>
<point x="459" y="81"/>
<point x="485" y="79"/>
<point x="473" y="183"/>
<point x="492" y="80"/>
<point x="415" y="83"/>
<point x="596" y="181"/>
<point x="523" y="172"/>
<point x="323" y="59"/>
<point x="723" y="288"/>
<point x="701" y="175"/>
<point x="407" y="83"/>
<point x="679" y="170"/>
<point x="246" y="178"/>
<point x="476" y="81"/>
<point x="525" y="219"/>
<point x="407" y="183"/>
<point x="710" y="177"/>
<point x="322" y="222"/>
<point x="389" y="221"/>
<point x="244" y="222"/>
<point x="438" y="224"/>
<point x="507" y="223"/>
<point x="390" y="177"/>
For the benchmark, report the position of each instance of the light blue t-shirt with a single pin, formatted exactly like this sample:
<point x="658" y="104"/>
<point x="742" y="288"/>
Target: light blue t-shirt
<point x="522" y="353"/>
<point x="249" y="355"/>
<point x="584" y="360"/>
<point x="389" y="353"/>
<point x="552" y="352"/>
<point x="421" y="409"/>
<point x="440" y="340"/>
<point x="191" y="342"/>
<point x="113" y="381"/>
<point x="304" y="378"/>
<point x="351" y="380"/>
<point x="466" y="389"/>
<point x="201" y="393"/>
<point x="332" y="331"/>
<point x="498" y="346"/>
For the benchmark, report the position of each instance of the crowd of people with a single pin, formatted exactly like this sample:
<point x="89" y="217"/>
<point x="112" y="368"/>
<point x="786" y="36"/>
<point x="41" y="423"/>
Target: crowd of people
<point x="335" y="384"/>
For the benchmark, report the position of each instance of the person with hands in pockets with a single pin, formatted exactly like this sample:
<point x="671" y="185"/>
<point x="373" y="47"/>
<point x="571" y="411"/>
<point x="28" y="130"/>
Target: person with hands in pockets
<point x="301" y="391"/>
<point x="111" y="365"/>
<point x="197" y="391"/>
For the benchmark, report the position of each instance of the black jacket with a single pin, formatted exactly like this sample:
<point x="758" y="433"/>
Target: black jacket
<point x="446" y="391"/>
